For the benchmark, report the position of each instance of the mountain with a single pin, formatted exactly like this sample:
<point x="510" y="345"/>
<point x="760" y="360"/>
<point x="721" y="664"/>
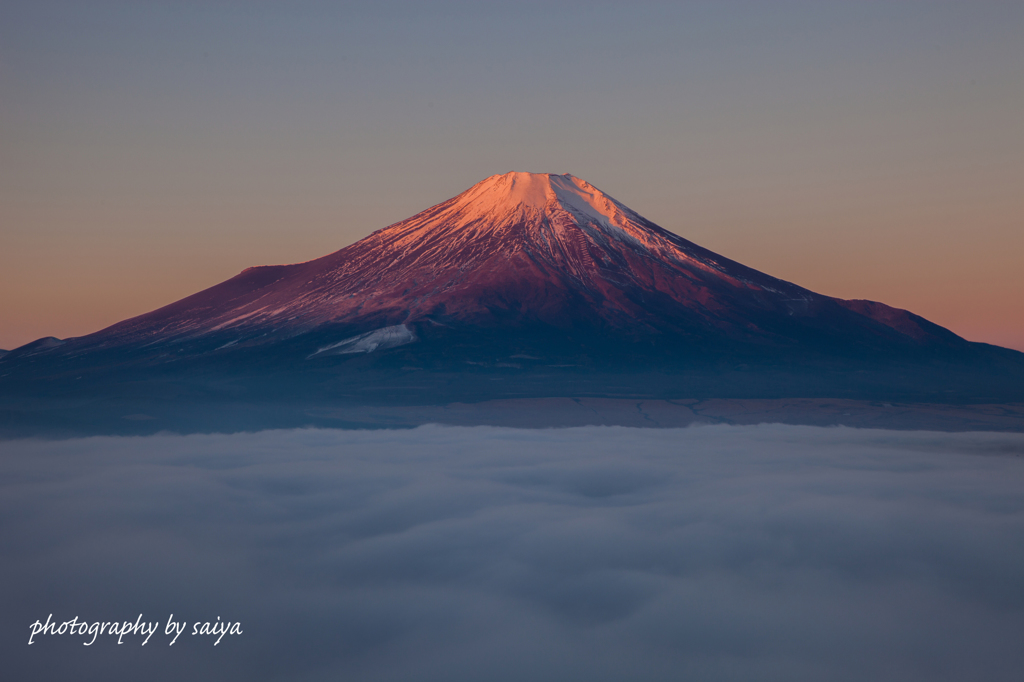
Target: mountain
<point x="521" y="250"/>
<point x="524" y="284"/>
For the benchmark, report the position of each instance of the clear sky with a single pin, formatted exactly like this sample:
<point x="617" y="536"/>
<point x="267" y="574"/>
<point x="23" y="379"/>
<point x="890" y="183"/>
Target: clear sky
<point x="860" y="149"/>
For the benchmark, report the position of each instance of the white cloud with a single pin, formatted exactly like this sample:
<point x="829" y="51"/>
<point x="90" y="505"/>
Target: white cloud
<point x="440" y="553"/>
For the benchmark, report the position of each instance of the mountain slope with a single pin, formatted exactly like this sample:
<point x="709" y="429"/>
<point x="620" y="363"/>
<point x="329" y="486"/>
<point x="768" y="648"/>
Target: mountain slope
<point x="523" y="285"/>
<point x="522" y="250"/>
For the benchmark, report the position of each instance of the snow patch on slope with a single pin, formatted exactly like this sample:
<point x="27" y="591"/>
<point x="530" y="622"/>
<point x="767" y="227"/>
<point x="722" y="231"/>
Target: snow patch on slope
<point x="379" y="339"/>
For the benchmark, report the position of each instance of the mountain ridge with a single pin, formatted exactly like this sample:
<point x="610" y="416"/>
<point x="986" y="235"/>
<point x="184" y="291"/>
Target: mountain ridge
<point x="518" y="247"/>
<point x="524" y="285"/>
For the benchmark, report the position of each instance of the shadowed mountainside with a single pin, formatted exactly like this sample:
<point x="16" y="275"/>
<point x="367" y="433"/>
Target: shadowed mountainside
<point x="524" y="286"/>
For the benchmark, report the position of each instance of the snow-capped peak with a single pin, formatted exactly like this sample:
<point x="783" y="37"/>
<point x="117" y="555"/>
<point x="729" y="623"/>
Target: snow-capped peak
<point x="536" y="250"/>
<point x="537" y="192"/>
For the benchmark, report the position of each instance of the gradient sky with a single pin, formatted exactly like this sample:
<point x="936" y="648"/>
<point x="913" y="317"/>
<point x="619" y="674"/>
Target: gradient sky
<point x="862" y="150"/>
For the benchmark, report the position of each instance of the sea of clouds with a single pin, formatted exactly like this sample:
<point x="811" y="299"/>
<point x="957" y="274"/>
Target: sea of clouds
<point x="443" y="553"/>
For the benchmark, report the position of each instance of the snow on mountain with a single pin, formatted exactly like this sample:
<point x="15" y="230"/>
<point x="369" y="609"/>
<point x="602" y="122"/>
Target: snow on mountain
<point x="515" y="250"/>
<point x="379" y="339"/>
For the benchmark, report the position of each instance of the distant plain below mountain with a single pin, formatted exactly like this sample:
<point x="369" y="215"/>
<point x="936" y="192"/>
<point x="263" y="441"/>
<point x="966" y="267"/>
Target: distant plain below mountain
<point x="525" y="287"/>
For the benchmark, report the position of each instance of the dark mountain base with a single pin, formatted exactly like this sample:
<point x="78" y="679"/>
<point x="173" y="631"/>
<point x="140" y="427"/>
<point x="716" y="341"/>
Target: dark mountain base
<point x="363" y="391"/>
<point x="204" y="385"/>
<point x="69" y="419"/>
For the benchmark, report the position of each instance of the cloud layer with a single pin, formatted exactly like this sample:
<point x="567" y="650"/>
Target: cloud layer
<point x="443" y="553"/>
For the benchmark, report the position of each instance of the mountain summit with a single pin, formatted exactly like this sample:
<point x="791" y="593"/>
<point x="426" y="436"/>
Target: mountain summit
<point x="523" y="252"/>
<point x="525" y="277"/>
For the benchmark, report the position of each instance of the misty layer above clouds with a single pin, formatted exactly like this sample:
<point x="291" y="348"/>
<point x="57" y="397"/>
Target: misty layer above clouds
<point x="445" y="553"/>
